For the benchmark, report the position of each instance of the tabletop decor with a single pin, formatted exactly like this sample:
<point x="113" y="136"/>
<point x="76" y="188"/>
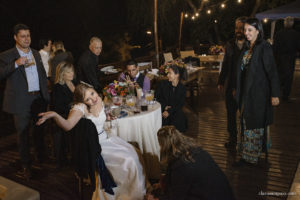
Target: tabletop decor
<point x="216" y="50"/>
<point x="116" y="88"/>
<point x="163" y="69"/>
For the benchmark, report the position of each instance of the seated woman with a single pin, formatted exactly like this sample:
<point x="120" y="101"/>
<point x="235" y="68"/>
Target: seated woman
<point x="62" y="98"/>
<point x="119" y="156"/>
<point x="191" y="172"/>
<point x="171" y="95"/>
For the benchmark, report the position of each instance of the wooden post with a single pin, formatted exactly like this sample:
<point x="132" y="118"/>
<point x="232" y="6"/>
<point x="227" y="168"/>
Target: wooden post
<point x="155" y="34"/>
<point x="180" y="30"/>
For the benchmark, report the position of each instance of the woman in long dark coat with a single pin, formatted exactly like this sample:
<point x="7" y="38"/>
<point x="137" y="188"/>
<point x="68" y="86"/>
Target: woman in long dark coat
<point x="171" y="95"/>
<point x="258" y="89"/>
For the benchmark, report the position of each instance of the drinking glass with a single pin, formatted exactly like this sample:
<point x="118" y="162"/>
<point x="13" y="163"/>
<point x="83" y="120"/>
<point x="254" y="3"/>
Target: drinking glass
<point x="130" y="101"/>
<point x="149" y="96"/>
<point x="117" y="100"/>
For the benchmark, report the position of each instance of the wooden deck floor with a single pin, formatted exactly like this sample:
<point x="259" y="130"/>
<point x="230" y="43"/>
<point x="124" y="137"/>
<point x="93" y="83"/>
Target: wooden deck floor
<point x="207" y="123"/>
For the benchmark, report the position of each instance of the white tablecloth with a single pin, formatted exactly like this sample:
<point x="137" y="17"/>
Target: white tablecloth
<point x="142" y="129"/>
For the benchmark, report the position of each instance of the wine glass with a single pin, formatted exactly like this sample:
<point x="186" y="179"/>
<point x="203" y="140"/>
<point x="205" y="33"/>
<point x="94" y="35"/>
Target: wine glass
<point x="149" y="96"/>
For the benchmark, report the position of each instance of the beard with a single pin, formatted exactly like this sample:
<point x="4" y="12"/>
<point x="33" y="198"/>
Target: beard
<point x="239" y="36"/>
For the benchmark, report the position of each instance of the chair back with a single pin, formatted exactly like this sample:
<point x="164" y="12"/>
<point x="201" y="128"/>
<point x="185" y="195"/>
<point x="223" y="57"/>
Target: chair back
<point x="168" y="57"/>
<point x="184" y="54"/>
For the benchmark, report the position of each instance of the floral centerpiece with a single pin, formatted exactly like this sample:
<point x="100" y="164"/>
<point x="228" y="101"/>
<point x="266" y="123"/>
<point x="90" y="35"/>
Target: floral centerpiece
<point x="216" y="50"/>
<point x="163" y="69"/>
<point x="116" y="89"/>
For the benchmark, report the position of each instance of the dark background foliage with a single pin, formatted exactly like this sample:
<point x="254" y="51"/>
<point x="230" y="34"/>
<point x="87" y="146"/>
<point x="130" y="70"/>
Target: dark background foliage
<point x="74" y="22"/>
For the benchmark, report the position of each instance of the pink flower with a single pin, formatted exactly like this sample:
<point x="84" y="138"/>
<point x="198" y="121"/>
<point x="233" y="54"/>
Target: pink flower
<point x="113" y="92"/>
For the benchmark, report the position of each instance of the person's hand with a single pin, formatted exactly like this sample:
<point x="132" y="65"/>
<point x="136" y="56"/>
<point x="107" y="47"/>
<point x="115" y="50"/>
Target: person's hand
<point x="167" y="108"/>
<point x="128" y="81"/>
<point x="221" y="88"/>
<point x="21" y="61"/>
<point x="165" y="114"/>
<point x="275" y="101"/>
<point x="44" y="116"/>
<point x="150" y="197"/>
<point x="233" y="92"/>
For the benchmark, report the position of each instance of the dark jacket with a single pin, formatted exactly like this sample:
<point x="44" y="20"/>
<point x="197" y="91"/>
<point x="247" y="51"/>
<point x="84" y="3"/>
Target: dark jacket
<point x="199" y="180"/>
<point x="88" y="69"/>
<point x="229" y="67"/>
<point x="62" y="97"/>
<point x="167" y="95"/>
<point x="287" y="42"/>
<point x="16" y="97"/>
<point x="262" y="84"/>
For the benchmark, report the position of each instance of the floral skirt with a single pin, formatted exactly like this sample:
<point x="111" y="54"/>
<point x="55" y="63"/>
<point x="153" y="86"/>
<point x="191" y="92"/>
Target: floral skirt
<point x="251" y="143"/>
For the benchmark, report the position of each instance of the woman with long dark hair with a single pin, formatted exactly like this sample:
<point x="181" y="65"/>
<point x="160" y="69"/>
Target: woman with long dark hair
<point x="171" y="95"/>
<point x="257" y="91"/>
<point x="191" y="172"/>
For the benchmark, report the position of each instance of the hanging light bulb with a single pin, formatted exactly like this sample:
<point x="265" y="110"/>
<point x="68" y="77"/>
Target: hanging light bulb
<point x="265" y="20"/>
<point x="197" y="14"/>
<point x="193" y="17"/>
<point x="186" y="15"/>
<point x="216" y="21"/>
<point x="239" y="1"/>
<point x="223" y="5"/>
<point x="208" y="11"/>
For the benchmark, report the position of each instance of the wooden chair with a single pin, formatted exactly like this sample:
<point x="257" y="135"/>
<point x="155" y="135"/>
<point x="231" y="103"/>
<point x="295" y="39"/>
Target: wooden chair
<point x="168" y="57"/>
<point x="184" y="54"/>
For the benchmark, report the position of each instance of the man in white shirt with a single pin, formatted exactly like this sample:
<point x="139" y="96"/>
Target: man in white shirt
<point x="45" y="46"/>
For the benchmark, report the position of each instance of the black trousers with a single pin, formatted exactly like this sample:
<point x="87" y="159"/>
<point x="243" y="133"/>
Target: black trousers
<point x="24" y="122"/>
<point x="231" y="107"/>
<point x="286" y="68"/>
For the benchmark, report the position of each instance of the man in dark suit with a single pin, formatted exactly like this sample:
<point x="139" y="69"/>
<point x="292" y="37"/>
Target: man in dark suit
<point x="26" y="93"/>
<point x="228" y="75"/>
<point x="88" y="64"/>
<point x="286" y="46"/>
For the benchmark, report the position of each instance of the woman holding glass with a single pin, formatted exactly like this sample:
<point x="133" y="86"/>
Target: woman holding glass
<point x="258" y="90"/>
<point x="171" y="95"/>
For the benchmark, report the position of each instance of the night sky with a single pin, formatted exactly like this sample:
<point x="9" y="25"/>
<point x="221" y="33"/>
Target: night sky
<point x="73" y="22"/>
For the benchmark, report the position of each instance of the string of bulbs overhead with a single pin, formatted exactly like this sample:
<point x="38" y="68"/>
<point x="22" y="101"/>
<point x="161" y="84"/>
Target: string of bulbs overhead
<point x="195" y="15"/>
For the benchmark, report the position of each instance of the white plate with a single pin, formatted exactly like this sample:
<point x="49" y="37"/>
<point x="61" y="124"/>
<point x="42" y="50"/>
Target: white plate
<point x="107" y="68"/>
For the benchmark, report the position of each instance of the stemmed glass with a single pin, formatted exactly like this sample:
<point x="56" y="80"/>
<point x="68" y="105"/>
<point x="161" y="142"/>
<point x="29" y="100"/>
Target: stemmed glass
<point x="117" y="100"/>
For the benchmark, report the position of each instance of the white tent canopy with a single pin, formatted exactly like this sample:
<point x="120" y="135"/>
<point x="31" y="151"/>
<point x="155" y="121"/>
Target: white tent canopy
<point x="292" y="9"/>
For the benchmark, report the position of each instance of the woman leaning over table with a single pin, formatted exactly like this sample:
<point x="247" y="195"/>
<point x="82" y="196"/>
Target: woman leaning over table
<point x="258" y="90"/>
<point x="171" y="95"/>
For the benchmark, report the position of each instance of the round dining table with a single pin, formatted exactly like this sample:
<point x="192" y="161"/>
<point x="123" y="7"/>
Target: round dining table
<point x="141" y="130"/>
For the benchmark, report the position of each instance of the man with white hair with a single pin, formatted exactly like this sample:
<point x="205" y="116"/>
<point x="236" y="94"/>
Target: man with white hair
<point x="286" y="45"/>
<point x="88" y="64"/>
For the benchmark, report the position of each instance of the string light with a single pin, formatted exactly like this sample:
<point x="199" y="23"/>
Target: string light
<point x="186" y="15"/>
<point x="193" y="17"/>
<point x="197" y="14"/>
<point x="239" y="1"/>
<point x="208" y="11"/>
<point x="216" y="21"/>
<point x="265" y="20"/>
<point x="149" y="32"/>
<point x="222" y="5"/>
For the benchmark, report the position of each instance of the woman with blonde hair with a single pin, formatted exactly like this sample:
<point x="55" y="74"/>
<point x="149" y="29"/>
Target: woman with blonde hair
<point x="62" y="97"/>
<point x="191" y="172"/>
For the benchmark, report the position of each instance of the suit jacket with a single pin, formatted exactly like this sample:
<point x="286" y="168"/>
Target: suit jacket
<point x="88" y="69"/>
<point x="262" y="83"/>
<point x="229" y="67"/>
<point x="16" y="97"/>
